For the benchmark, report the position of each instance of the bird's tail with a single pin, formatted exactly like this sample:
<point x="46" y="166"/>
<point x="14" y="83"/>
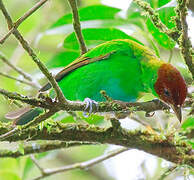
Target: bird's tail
<point x="24" y="115"/>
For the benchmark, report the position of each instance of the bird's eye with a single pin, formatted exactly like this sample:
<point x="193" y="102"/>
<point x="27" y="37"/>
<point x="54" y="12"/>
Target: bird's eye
<point x="166" y="92"/>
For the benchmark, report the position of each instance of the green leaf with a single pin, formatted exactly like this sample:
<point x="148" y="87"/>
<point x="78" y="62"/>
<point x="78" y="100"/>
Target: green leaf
<point x="94" y="36"/>
<point x="68" y="119"/>
<point x="28" y="164"/>
<point x="62" y="59"/>
<point x="63" y="117"/>
<point x="8" y="164"/>
<point x="134" y="12"/>
<point x="163" y="2"/>
<point x="188" y="123"/>
<point x="157" y="3"/>
<point x="165" y="15"/>
<point x="5" y="175"/>
<point x="95" y="12"/>
<point x="92" y="118"/>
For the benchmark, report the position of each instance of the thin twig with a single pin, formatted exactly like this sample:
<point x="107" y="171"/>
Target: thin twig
<point x="23" y="18"/>
<point x="77" y="26"/>
<point x="83" y="165"/>
<point x="37" y="164"/>
<point x="38" y="147"/>
<point x="19" y="80"/>
<point x="25" y="99"/>
<point x="32" y="54"/>
<point x="9" y="133"/>
<point x="167" y="172"/>
<point x="5" y="60"/>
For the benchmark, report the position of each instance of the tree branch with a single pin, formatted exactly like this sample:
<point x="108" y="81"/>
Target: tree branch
<point x="19" y="80"/>
<point x="38" y="147"/>
<point x="83" y="165"/>
<point x="5" y="60"/>
<point x="53" y="107"/>
<point x="167" y="172"/>
<point x="77" y="26"/>
<point x="113" y="106"/>
<point x="38" y="166"/>
<point x="165" y="146"/>
<point x="32" y="54"/>
<point x="184" y="41"/>
<point x="31" y="101"/>
<point x="154" y="16"/>
<point x="23" y="18"/>
<point x="35" y="121"/>
<point x="181" y="38"/>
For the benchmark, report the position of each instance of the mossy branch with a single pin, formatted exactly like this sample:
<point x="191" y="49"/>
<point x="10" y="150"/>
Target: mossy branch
<point x="109" y="106"/>
<point x="32" y="54"/>
<point x="25" y="99"/>
<point x="164" y="146"/>
<point x="178" y="34"/>
<point x="154" y="16"/>
<point x="184" y="41"/>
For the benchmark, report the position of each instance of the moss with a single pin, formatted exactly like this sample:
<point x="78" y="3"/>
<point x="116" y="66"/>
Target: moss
<point x="167" y="146"/>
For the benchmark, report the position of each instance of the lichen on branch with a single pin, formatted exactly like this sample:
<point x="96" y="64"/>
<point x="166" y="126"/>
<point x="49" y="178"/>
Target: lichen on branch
<point x="165" y="146"/>
<point x="178" y="34"/>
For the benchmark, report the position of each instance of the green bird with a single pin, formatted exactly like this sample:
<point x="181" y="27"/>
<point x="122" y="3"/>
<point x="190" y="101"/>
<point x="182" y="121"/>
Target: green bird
<point x="125" y="70"/>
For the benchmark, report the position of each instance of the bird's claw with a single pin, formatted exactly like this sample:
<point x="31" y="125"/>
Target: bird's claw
<point x="89" y="104"/>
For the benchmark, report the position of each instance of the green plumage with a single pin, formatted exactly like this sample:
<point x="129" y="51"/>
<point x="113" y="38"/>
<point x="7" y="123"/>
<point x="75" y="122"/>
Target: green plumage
<point x="128" y="70"/>
<point x="123" y="68"/>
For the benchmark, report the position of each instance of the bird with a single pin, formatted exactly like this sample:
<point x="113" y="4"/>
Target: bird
<point x="125" y="70"/>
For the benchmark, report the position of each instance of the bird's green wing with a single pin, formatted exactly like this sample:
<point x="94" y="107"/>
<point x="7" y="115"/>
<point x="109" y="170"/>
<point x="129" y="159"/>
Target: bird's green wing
<point x="82" y="61"/>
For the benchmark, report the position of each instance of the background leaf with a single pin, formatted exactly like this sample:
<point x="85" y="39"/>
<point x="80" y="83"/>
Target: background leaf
<point x="188" y="123"/>
<point x="9" y="176"/>
<point x="94" y="12"/>
<point x="157" y="3"/>
<point x="94" y="36"/>
<point x="62" y="59"/>
<point x="92" y="118"/>
<point x="165" y="15"/>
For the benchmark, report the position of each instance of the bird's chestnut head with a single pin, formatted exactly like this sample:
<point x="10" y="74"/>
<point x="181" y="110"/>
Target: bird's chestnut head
<point x="171" y="88"/>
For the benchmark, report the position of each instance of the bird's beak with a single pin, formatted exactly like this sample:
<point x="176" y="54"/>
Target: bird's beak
<point x="177" y="110"/>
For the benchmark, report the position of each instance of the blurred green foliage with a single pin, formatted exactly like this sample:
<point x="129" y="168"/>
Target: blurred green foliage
<point x="49" y="31"/>
<point x="95" y="36"/>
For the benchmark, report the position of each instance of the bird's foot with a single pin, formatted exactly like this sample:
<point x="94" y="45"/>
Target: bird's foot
<point x="89" y="104"/>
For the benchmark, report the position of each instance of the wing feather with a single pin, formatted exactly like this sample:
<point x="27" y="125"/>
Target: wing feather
<point x="82" y="61"/>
